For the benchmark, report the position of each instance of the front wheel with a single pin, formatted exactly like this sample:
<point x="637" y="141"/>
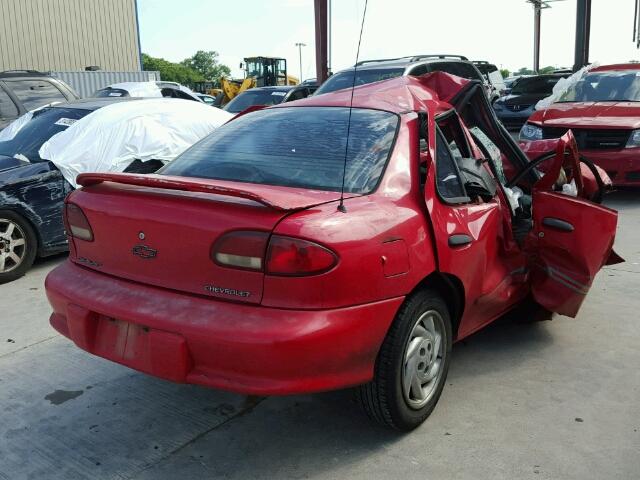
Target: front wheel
<point x="412" y="364"/>
<point x="18" y="246"/>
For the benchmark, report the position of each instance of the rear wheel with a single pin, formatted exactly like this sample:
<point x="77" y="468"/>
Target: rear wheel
<point x="18" y="246"/>
<point x="412" y="365"/>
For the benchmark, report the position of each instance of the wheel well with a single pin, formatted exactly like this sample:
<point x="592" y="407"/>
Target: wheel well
<point x="452" y="291"/>
<point x="26" y="218"/>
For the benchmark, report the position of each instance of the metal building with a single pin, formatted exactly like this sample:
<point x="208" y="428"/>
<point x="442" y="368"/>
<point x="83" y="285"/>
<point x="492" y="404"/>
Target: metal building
<point x="69" y="35"/>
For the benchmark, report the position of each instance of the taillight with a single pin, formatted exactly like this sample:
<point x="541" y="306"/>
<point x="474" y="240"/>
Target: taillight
<point x="297" y="257"/>
<point x="76" y="223"/>
<point x="241" y="249"/>
<point x="280" y="255"/>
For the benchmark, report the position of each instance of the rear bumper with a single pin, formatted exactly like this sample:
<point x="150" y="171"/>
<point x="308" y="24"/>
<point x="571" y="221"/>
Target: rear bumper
<point x="191" y="339"/>
<point x="622" y="166"/>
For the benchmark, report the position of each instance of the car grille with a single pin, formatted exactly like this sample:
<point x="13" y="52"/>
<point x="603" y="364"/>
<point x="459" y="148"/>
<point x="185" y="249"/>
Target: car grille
<point x="603" y="139"/>
<point x="517" y="108"/>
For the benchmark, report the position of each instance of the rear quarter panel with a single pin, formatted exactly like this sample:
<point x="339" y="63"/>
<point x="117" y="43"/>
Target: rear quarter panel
<point x="383" y="241"/>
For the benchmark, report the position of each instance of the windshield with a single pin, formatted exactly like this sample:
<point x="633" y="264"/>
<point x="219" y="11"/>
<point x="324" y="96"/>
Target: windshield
<point x="345" y="79"/>
<point x="300" y="147"/>
<point x="535" y="86"/>
<point x="43" y="125"/>
<point x="254" y="97"/>
<point x="612" y="86"/>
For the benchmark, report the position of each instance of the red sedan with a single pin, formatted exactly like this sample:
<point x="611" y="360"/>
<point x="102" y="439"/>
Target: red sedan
<point x="242" y="265"/>
<point x="603" y="112"/>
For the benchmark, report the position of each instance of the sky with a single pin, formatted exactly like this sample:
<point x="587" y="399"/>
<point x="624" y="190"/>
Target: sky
<point x="500" y="31"/>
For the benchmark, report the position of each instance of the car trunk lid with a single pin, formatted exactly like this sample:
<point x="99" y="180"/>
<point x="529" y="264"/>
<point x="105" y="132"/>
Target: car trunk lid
<point x="160" y="230"/>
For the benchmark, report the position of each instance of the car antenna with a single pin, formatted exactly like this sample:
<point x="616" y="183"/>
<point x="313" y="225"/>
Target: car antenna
<point x="341" y="206"/>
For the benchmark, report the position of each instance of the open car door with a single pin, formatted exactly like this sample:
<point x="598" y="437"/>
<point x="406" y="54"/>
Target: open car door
<point x="571" y="239"/>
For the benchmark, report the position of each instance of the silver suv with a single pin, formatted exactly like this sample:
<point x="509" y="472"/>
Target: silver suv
<point x="370" y="71"/>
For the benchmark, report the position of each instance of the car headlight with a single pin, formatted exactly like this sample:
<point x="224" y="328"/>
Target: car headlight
<point x="530" y="132"/>
<point x="634" y="139"/>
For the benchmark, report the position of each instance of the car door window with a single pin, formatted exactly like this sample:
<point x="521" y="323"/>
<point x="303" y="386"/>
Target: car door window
<point x="8" y="109"/>
<point x="35" y="93"/>
<point x="448" y="181"/>
<point x="490" y="151"/>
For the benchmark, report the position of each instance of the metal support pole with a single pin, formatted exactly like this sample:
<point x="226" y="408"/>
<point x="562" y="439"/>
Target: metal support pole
<point x="320" y="7"/>
<point x="537" y="17"/>
<point x="300" y="45"/>
<point x="583" y="32"/>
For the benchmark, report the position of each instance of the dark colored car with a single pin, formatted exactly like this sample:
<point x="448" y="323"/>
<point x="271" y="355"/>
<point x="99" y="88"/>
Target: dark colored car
<point x="268" y="96"/>
<point x="514" y="109"/>
<point x="603" y="111"/>
<point x="369" y="71"/>
<point x="25" y="90"/>
<point x="272" y="259"/>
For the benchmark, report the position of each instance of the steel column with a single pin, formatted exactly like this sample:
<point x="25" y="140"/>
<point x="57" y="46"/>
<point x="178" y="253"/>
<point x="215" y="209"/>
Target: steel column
<point x="583" y="32"/>
<point x="537" y="16"/>
<point x="320" y="7"/>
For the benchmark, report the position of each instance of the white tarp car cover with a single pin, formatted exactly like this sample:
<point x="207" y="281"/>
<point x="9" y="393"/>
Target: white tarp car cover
<point x="110" y="138"/>
<point x="563" y="85"/>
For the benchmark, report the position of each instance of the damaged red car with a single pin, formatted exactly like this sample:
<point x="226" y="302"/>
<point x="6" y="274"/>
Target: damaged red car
<point x="274" y="257"/>
<point x="602" y="110"/>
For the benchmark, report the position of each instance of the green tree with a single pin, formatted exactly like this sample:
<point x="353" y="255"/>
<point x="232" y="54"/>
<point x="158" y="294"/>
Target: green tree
<point x="206" y="63"/>
<point x="171" y="72"/>
<point x="549" y="69"/>
<point x="505" y="72"/>
<point x="524" y="71"/>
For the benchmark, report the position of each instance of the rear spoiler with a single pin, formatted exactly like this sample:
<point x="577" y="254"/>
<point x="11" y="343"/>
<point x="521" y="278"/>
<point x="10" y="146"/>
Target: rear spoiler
<point x="179" y="183"/>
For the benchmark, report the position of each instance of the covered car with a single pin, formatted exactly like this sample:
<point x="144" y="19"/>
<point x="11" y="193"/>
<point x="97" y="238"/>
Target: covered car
<point x="148" y="90"/>
<point x="42" y="152"/>
<point x="328" y="247"/>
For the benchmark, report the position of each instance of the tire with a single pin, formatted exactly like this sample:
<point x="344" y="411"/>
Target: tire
<point x="385" y="399"/>
<point x="18" y="246"/>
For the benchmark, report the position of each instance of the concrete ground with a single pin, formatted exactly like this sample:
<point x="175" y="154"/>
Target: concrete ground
<point x="551" y="400"/>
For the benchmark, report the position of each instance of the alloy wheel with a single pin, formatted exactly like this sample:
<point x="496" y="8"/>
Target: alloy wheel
<point x="423" y="359"/>
<point x="13" y="245"/>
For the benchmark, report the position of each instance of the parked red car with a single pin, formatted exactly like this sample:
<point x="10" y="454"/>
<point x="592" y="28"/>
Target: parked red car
<point x="603" y="112"/>
<point x="239" y="267"/>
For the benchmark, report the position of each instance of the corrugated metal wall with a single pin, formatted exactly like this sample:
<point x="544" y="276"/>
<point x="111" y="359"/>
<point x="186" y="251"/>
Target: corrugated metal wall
<point x="68" y="34"/>
<point x="86" y="83"/>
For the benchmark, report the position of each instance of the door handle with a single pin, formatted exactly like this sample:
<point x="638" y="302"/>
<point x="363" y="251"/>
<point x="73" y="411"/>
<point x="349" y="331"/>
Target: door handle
<point x="557" y="224"/>
<point x="459" y="240"/>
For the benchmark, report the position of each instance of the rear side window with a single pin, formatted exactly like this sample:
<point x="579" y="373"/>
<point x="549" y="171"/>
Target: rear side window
<point x="35" y="93"/>
<point x="300" y="147"/>
<point x="459" y="69"/>
<point x="345" y="79"/>
<point x="111" y="92"/>
<point x="7" y="107"/>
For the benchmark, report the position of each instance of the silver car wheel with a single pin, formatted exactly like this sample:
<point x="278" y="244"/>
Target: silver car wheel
<point x="423" y="359"/>
<point x="13" y="245"/>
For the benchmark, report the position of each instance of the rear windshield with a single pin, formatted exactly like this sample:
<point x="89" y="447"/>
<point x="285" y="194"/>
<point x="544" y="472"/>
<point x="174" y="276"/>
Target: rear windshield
<point x="345" y="79"/>
<point x="111" y="92"/>
<point x="614" y="86"/>
<point x="535" y="86"/>
<point x="43" y="125"/>
<point x="300" y="147"/>
<point x="255" y="97"/>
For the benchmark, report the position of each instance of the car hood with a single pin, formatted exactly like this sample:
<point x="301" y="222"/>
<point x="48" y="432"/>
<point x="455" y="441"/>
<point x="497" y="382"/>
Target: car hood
<point x="623" y="115"/>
